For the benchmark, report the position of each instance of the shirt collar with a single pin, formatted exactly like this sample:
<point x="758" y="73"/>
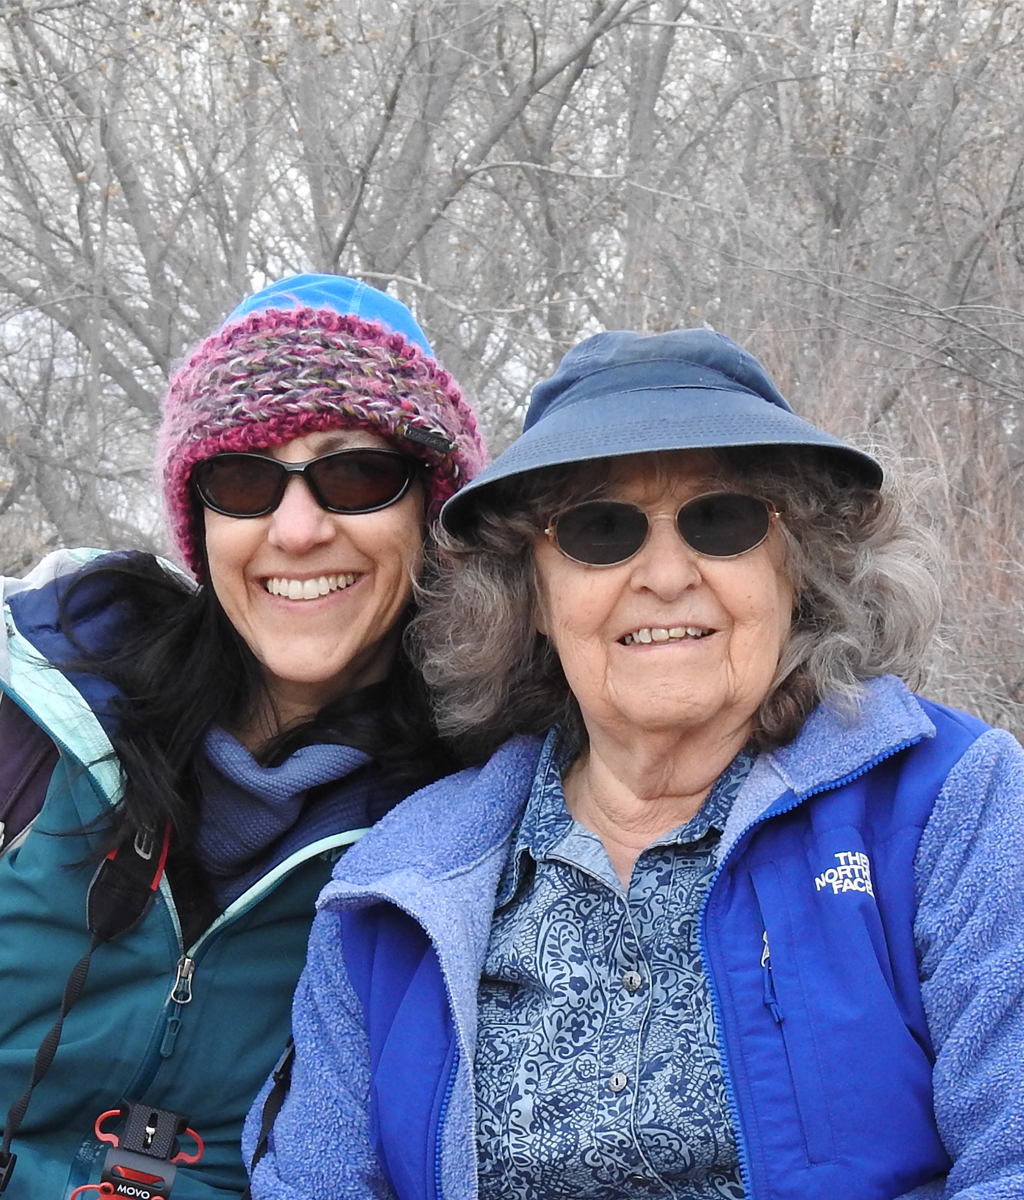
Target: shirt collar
<point x="546" y="820"/>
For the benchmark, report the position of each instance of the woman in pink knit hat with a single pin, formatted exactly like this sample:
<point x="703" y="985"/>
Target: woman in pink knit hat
<point x="206" y="748"/>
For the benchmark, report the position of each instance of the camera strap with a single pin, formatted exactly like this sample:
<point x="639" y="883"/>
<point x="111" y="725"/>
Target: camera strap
<point x="120" y="894"/>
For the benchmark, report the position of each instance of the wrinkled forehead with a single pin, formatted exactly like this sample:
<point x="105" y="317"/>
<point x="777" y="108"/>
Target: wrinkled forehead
<point x="650" y="475"/>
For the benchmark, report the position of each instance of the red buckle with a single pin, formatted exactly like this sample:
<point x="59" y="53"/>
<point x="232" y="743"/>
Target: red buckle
<point x="110" y="1138"/>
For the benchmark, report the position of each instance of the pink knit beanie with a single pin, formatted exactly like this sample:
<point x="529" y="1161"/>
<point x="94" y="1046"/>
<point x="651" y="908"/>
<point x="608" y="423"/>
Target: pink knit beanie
<point x="310" y="353"/>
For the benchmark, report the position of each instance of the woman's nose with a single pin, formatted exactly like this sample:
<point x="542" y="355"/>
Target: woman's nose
<point x="666" y="565"/>
<point x="299" y="524"/>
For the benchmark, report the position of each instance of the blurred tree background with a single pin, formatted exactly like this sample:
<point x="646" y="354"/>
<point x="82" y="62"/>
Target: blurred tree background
<point x="837" y="184"/>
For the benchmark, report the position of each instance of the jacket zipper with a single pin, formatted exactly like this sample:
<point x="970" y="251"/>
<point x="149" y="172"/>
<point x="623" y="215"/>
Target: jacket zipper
<point x="742" y="1154"/>
<point x="181" y="994"/>
<point x="441" y="1118"/>
<point x="191" y="957"/>
<point x="181" y="990"/>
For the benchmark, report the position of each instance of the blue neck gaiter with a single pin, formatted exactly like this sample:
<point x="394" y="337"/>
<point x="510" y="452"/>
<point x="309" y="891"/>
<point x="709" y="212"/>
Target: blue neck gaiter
<point x="254" y="816"/>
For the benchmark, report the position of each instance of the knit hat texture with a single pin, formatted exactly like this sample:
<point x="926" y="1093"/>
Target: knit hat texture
<point x="279" y="369"/>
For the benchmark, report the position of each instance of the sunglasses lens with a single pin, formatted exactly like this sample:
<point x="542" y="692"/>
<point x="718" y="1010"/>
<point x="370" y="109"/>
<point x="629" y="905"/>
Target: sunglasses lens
<point x="357" y="481"/>
<point x="601" y="532"/>
<point x="241" y="485"/>
<point x="724" y="524"/>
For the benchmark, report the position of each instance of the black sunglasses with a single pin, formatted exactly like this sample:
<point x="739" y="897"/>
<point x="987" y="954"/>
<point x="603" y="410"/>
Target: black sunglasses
<point x="346" y="481"/>
<point x="604" y="533"/>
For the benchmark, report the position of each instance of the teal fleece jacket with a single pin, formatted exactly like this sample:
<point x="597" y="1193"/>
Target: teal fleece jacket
<point x="145" y="1029"/>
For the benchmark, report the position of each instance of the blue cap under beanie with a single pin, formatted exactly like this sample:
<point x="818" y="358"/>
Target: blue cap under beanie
<point x="341" y="294"/>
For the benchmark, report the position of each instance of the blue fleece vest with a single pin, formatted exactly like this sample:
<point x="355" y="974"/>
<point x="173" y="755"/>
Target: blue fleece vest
<point x="807" y="935"/>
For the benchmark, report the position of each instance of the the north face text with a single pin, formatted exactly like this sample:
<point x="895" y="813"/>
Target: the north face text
<point x="853" y="874"/>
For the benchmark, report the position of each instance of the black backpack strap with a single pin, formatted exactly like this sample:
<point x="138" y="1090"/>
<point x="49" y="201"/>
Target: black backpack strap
<point x="282" y="1077"/>
<point x="125" y="885"/>
<point x="120" y="895"/>
<point x="27" y="759"/>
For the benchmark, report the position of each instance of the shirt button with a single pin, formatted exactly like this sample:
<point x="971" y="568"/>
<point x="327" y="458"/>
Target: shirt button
<point x="618" y="1081"/>
<point x="632" y="981"/>
<point x="638" y="1179"/>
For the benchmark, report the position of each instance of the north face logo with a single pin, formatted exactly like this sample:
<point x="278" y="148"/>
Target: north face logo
<point x="852" y="875"/>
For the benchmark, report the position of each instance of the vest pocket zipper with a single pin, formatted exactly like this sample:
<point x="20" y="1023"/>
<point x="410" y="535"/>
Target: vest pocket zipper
<point x="771" y="1000"/>
<point x="795" y="1033"/>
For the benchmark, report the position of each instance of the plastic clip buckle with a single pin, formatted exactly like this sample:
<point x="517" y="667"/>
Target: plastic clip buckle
<point x="7" y="1170"/>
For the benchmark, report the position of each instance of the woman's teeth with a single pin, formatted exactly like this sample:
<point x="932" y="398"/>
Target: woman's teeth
<point x="676" y="633"/>
<point x="308" y="589"/>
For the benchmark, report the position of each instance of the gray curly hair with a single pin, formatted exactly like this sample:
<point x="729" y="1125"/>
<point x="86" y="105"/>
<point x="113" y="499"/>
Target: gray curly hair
<point x="866" y="598"/>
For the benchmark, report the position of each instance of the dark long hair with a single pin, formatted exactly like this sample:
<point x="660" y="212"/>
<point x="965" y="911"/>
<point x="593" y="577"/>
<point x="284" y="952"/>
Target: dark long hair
<point x="177" y="665"/>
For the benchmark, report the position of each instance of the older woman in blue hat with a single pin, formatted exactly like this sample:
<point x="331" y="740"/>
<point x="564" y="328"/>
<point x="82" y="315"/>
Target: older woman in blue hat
<point x="727" y="911"/>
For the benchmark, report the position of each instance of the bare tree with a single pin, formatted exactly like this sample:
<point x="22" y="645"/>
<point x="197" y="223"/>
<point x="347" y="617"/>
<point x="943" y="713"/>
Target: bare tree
<point x="837" y="186"/>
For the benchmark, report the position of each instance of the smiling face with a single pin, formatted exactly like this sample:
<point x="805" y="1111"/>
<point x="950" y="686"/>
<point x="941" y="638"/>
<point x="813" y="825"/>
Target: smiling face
<point x="316" y="595"/>
<point x="670" y="642"/>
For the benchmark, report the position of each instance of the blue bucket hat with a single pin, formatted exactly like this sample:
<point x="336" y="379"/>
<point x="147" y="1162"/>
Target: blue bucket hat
<point x="626" y="393"/>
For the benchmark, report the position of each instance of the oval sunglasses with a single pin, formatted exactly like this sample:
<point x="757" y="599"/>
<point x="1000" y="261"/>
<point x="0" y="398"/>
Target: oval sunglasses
<point x="240" y="484"/>
<point x="605" y="533"/>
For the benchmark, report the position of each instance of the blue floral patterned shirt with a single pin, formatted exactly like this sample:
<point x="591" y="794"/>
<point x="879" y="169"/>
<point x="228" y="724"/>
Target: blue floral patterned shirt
<point x="597" y="1068"/>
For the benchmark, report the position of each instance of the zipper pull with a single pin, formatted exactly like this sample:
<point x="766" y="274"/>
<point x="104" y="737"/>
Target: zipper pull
<point x="170" y="1037"/>
<point x="181" y="994"/>
<point x="770" y="999"/>
<point x="182" y="991"/>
